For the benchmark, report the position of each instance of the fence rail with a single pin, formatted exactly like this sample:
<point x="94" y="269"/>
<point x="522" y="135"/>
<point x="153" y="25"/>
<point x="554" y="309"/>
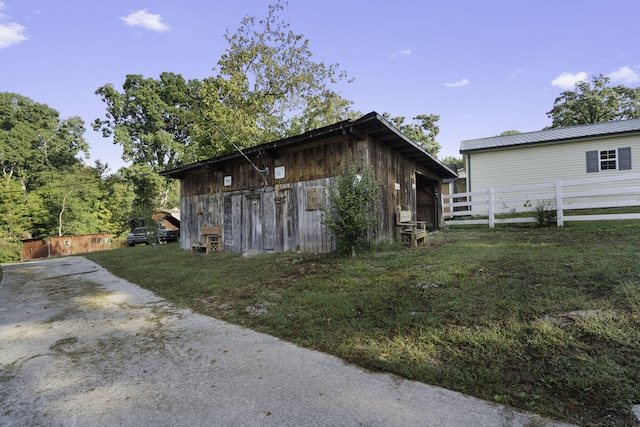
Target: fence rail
<point x="564" y="199"/>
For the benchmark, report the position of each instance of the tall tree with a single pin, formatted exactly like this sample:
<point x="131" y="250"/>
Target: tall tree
<point x="267" y="87"/>
<point x="422" y="130"/>
<point x="72" y="199"/>
<point x="21" y="211"/>
<point x="151" y="119"/>
<point x="35" y="141"/>
<point x="594" y="102"/>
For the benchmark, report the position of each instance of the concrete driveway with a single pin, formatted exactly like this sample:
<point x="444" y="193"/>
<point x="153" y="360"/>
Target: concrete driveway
<point x="81" y="347"/>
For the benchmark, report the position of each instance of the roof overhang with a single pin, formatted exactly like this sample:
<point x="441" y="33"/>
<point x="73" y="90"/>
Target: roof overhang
<point x="553" y="136"/>
<point x="371" y="124"/>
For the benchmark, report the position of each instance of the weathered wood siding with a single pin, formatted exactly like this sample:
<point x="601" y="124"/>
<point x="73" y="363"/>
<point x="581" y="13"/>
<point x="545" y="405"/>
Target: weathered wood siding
<point x="64" y="245"/>
<point x="265" y="213"/>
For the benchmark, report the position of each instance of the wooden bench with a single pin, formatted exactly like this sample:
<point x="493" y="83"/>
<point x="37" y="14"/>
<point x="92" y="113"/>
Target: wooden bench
<point x="211" y="240"/>
<point x="410" y="232"/>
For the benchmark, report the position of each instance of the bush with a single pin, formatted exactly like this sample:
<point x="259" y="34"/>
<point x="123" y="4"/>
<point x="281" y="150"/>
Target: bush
<point x="545" y="213"/>
<point x="351" y="217"/>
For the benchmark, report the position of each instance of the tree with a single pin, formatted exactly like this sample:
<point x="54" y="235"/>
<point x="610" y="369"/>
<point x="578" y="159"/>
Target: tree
<point x="509" y="132"/>
<point x="34" y="140"/>
<point x="322" y="110"/>
<point x="72" y="199"/>
<point x="423" y="132"/>
<point x="595" y="102"/>
<point x="151" y="119"/>
<point x="117" y="202"/>
<point x="147" y="186"/>
<point x="352" y="215"/>
<point x="267" y="88"/>
<point x="452" y="160"/>
<point x="21" y="210"/>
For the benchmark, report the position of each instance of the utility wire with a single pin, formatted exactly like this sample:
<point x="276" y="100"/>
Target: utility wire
<point x="262" y="172"/>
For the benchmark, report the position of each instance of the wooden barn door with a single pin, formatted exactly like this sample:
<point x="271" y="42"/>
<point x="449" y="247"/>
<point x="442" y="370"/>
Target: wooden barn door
<point x="250" y="221"/>
<point x="232" y="220"/>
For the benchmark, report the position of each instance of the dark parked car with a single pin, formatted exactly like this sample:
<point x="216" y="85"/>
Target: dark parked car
<point x="143" y="235"/>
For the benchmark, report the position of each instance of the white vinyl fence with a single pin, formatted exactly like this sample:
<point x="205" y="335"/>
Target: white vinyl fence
<point x="521" y="204"/>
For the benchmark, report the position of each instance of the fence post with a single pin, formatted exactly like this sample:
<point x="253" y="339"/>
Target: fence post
<point x="491" y="214"/>
<point x="559" y="205"/>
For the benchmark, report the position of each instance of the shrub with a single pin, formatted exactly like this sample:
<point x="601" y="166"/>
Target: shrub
<point x="545" y="213"/>
<point x="351" y="218"/>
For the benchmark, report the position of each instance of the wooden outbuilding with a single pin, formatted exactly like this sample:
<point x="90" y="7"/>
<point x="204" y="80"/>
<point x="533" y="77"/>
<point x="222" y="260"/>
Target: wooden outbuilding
<point x="64" y="245"/>
<point x="272" y="197"/>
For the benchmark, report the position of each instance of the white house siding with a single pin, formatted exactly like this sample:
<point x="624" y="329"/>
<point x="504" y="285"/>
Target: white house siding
<point x="544" y="163"/>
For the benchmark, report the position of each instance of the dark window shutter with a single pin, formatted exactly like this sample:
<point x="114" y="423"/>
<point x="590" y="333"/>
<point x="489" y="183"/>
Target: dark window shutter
<point x="592" y="161"/>
<point x="624" y="158"/>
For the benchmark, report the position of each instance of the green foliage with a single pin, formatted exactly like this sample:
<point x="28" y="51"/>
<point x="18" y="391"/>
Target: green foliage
<point x="116" y="202"/>
<point x="423" y="131"/>
<point x="147" y="186"/>
<point x="151" y="119"/>
<point x="45" y="188"/>
<point x="21" y="211"/>
<point x="34" y="140"/>
<point x="545" y="213"/>
<point x="322" y="110"/>
<point x="509" y="132"/>
<point x="353" y="206"/>
<point x="71" y="199"/>
<point x="453" y="160"/>
<point x="267" y="87"/>
<point x="595" y="102"/>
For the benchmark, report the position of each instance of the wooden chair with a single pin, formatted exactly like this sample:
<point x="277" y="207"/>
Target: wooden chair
<point x="410" y="232"/>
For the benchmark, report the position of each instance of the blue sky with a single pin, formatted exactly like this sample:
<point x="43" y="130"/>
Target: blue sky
<point x="483" y="66"/>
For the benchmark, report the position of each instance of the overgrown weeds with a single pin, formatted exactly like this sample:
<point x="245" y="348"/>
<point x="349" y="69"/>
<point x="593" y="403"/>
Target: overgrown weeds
<point x="545" y="320"/>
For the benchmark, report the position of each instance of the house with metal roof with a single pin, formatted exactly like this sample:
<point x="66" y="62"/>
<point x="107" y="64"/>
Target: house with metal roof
<point x="272" y="197"/>
<point x="561" y="154"/>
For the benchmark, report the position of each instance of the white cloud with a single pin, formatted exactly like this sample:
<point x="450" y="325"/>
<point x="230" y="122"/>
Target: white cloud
<point x="624" y="75"/>
<point x="11" y="33"/>
<point x="149" y="21"/>
<point x="568" y="80"/>
<point x="460" y="83"/>
<point x="405" y="52"/>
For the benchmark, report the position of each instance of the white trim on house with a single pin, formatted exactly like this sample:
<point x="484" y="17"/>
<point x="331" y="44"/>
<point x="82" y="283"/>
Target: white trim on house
<point x="584" y="152"/>
<point x="541" y="163"/>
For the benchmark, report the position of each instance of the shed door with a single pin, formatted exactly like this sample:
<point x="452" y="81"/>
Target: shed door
<point x="252" y="220"/>
<point x="427" y="206"/>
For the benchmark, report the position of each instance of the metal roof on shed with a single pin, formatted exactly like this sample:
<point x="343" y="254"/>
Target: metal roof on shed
<point x="552" y="135"/>
<point x="370" y="124"/>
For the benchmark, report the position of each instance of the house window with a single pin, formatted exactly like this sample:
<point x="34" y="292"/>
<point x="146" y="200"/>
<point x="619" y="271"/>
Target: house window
<point x="608" y="160"/>
<point x="604" y="160"/>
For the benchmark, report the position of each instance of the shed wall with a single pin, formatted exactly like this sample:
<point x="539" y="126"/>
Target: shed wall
<point x="265" y="213"/>
<point x="64" y="245"/>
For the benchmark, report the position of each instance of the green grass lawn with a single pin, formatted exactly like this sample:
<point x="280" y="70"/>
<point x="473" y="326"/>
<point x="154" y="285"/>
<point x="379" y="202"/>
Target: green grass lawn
<point x="542" y="319"/>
